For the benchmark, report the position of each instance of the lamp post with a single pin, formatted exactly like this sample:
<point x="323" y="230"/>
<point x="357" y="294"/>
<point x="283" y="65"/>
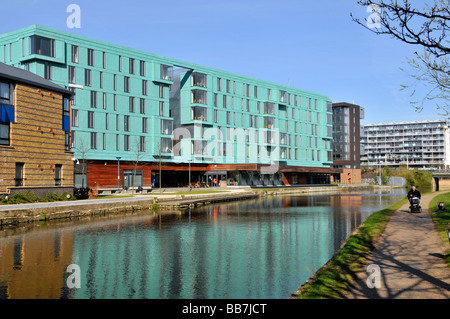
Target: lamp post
<point x="189" y="161"/>
<point x="118" y="173"/>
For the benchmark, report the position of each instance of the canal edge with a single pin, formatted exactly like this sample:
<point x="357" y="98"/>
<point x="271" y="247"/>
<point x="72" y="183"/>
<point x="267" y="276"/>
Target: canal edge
<point x="52" y="211"/>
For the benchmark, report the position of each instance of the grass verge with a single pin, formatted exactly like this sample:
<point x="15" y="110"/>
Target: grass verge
<point x="441" y="219"/>
<point x="337" y="275"/>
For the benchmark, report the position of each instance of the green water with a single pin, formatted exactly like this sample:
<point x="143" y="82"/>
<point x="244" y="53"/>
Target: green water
<point x="264" y="248"/>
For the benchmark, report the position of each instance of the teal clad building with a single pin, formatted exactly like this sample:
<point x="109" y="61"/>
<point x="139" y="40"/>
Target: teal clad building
<point x="133" y="107"/>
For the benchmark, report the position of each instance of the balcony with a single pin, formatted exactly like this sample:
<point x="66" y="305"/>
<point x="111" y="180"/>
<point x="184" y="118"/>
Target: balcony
<point x="269" y="123"/>
<point x="199" y="80"/>
<point x="166" y="145"/>
<point x="166" y="73"/>
<point x="199" y="97"/>
<point x="269" y="108"/>
<point x="199" y="113"/>
<point x="166" y="127"/>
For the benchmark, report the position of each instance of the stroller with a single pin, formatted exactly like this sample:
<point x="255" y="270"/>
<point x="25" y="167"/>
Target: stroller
<point x="414" y="205"/>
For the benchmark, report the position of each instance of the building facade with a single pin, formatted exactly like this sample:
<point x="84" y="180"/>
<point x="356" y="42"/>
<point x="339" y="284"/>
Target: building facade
<point x="346" y="141"/>
<point x="35" y="150"/>
<point x="419" y="144"/>
<point x="137" y="109"/>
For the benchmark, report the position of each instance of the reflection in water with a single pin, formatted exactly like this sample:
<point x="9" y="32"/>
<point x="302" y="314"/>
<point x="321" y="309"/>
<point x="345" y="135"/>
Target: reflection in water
<point x="262" y="248"/>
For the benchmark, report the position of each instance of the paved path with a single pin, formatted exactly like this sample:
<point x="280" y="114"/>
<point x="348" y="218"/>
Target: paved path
<point x="410" y="256"/>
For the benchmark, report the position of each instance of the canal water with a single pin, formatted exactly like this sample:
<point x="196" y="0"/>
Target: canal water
<point x="264" y="248"/>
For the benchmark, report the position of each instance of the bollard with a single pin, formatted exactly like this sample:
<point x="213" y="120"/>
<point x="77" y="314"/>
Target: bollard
<point x="441" y="205"/>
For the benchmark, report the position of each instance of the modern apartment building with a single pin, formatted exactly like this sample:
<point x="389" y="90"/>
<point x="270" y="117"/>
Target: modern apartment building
<point x="418" y="144"/>
<point x="35" y="152"/>
<point x="137" y="109"/>
<point x="346" y="141"/>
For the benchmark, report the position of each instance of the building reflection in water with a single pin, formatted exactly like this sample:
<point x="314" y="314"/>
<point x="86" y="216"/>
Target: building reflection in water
<point x="33" y="264"/>
<point x="246" y="249"/>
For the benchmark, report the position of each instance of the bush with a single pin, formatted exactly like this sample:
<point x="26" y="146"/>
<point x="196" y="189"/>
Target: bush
<point x="81" y="193"/>
<point x="30" y="197"/>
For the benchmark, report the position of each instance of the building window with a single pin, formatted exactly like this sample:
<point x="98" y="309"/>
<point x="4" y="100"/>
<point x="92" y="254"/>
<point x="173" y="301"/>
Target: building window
<point x="142" y="68"/>
<point x="6" y="93"/>
<point x="73" y="139"/>
<point x="93" y="99"/>
<point x="104" y="141"/>
<point x="131" y="66"/>
<point x="42" y="46"/>
<point x="219" y="84"/>
<point x="142" y="144"/>
<point x="87" y="77"/>
<point x="104" y="101"/>
<point x="106" y="121"/>
<point x="47" y="70"/>
<point x="75" y="118"/>
<point x="19" y="174"/>
<point x="166" y="72"/>
<point x="142" y="106"/>
<point x="67" y="141"/>
<point x="94" y="140"/>
<point x="215" y="116"/>
<point x="126" y="123"/>
<point x="228" y="86"/>
<point x="101" y="80"/>
<point x="120" y="63"/>
<point x="74" y="54"/>
<point x="117" y="142"/>
<point x="117" y="122"/>
<point x="91" y="123"/>
<point x="73" y="97"/>
<point x="126" y="84"/>
<point x="115" y="82"/>
<point x="144" y="87"/>
<point x="4" y="133"/>
<point x="104" y="60"/>
<point x="161" y="108"/>
<point x="126" y="142"/>
<point x="161" y="91"/>
<point x="131" y="104"/>
<point x="90" y="56"/>
<point x="115" y="102"/>
<point x="72" y="77"/>
<point x="144" y="125"/>
<point x="58" y="168"/>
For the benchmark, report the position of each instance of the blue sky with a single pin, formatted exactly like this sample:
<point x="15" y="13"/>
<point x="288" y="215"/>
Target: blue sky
<point x="311" y="45"/>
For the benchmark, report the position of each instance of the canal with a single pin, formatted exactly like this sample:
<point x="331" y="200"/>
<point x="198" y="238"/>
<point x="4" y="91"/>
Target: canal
<point x="262" y="248"/>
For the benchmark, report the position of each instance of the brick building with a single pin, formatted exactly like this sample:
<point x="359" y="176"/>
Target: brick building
<point x="34" y="134"/>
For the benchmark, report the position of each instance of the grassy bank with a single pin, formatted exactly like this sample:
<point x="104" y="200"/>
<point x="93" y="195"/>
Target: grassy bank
<point x="333" y="279"/>
<point x="441" y="219"/>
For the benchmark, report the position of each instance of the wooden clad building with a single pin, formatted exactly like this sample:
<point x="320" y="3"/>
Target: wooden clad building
<point x="34" y="134"/>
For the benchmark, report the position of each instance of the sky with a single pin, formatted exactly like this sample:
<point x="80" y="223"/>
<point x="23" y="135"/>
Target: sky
<point x="310" y="45"/>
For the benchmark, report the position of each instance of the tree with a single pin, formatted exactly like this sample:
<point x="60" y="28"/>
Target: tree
<point x="139" y="153"/>
<point x="426" y="28"/>
<point x="83" y="149"/>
